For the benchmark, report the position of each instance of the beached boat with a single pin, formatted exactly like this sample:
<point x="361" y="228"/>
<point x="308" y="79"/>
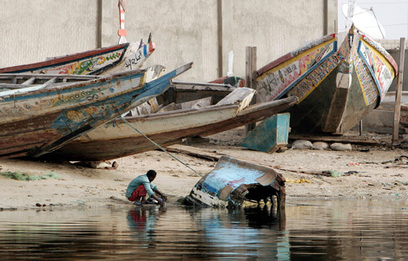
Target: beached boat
<point x="181" y="112"/>
<point x="39" y="113"/>
<point x="338" y="79"/>
<point x="234" y="181"/>
<point x="117" y="58"/>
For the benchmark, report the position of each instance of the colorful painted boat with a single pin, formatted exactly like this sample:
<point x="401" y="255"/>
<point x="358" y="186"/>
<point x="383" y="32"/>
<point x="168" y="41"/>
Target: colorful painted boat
<point x="216" y="109"/>
<point x="117" y="58"/>
<point x="234" y="181"/>
<point x="39" y="113"/>
<point x="338" y="79"/>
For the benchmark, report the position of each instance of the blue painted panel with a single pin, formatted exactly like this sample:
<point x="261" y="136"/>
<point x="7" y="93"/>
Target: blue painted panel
<point x="269" y="134"/>
<point x="230" y="174"/>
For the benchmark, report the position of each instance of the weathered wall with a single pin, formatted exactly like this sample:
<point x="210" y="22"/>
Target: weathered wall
<point x="30" y="31"/>
<point x="274" y="27"/>
<point x="184" y="30"/>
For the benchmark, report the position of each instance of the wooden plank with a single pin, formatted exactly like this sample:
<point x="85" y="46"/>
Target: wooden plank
<point x="219" y="38"/>
<point x="250" y="68"/>
<point x="398" y="93"/>
<point x="29" y="81"/>
<point x="50" y="81"/>
<point x="194" y="152"/>
<point x="13" y="86"/>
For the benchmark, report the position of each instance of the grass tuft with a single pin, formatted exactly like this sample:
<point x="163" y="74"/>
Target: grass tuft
<point x="26" y="177"/>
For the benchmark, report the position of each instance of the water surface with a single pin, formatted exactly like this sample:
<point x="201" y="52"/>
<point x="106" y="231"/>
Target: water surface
<point x="312" y="230"/>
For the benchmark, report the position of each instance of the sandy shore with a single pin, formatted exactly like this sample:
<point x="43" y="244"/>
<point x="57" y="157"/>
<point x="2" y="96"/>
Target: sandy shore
<point x="368" y="172"/>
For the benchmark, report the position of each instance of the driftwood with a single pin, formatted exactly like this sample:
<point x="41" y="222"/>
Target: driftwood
<point x="195" y="152"/>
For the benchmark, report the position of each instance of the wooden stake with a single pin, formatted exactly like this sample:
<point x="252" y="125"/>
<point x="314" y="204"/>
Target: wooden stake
<point x="360" y="128"/>
<point x="398" y="93"/>
<point x="250" y="71"/>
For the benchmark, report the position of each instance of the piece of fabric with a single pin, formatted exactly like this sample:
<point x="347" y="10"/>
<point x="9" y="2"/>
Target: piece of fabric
<point x="141" y="180"/>
<point x="138" y="192"/>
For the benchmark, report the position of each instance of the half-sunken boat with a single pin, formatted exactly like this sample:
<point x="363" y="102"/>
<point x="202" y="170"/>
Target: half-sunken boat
<point x="39" y="113"/>
<point x="338" y="79"/>
<point x="234" y="181"/>
<point x="183" y="111"/>
<point x="117" y="58"/>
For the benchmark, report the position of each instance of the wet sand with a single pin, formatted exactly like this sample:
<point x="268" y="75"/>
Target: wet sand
<point x="365" y="172"/>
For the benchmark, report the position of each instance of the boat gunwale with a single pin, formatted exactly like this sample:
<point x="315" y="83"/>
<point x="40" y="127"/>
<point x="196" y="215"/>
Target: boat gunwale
<point x="65" y="59"/>
<point x="293" y="54"/>
<point x="61" y="88"/>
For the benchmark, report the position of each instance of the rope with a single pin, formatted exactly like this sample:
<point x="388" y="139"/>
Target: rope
<point x="157" y="145"/>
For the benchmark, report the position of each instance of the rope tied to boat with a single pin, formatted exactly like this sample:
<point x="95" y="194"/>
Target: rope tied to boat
<point x="160" y="147"/>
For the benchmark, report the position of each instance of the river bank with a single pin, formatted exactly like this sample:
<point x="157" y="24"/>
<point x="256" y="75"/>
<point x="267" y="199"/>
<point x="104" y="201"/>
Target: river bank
<point x="369" y="172"/>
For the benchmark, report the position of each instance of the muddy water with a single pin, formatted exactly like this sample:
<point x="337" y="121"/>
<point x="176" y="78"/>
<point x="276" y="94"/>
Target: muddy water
<point x="306" y="230"/>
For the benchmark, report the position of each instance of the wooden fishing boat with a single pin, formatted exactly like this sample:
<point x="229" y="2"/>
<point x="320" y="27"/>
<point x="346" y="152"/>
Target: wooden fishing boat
<point x="338" y="79"/>
<point x="169" y="119"/>
<point x="39" y="113"/>
<point x="117" y="58"/>
<point x="234" y="181"/>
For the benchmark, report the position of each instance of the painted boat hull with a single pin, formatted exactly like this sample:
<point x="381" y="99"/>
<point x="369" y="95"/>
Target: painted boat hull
<point x="117" y="58"/>
<point x="337" y="82"/>
<point x="229" y="183"/>
<point x="36" y="122"/>
<point x="117" y="139"/>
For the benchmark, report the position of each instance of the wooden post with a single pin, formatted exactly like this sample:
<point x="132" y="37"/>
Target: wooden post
<point x="99" y="24"/>
<point x="219" y="37"/>
<point x="360" y="128"/>
<point x="250" y="72"/>
<point x="398" y="93"/>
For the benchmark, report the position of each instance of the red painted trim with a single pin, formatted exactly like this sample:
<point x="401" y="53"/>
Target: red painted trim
<point x="274" y="63"/>
<point x="62" y="60"/>
<point x="288" y="56"/>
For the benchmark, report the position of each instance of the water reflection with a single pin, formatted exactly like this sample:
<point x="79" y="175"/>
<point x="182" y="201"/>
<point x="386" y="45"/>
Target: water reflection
<point x="319" y="230"/>
<point x="243" y="233"/>
<point x="265" y="217"/>
<point x="142" y="220"/>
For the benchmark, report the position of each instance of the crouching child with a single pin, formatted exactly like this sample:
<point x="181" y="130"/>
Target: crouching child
<point x="141" y="186"/>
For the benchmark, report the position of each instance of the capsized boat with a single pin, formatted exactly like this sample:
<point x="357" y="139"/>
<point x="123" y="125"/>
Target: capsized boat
<point x="117" y="58"/>
<point x="40" y="113"/>
<point x="234" y="181"/>
<point x="338" y="79"/>
<point x="181" y="112"/>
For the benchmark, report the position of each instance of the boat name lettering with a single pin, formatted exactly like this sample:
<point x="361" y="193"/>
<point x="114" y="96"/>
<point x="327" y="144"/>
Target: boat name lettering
<point x="290" y="69"/>
<point x="133" y="61"/>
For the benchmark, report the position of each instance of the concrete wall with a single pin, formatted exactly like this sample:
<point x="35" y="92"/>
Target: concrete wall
<point x="202" y="31"/>
<point x="33" y="30"/>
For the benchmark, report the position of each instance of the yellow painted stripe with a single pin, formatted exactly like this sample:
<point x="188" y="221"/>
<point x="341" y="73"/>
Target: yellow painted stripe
<point x="381" y="56"/>
<point x="293" y="59"/>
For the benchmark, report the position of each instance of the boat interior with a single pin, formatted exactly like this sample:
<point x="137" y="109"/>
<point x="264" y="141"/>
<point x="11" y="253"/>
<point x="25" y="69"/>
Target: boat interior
<point x="187" y="96"/>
